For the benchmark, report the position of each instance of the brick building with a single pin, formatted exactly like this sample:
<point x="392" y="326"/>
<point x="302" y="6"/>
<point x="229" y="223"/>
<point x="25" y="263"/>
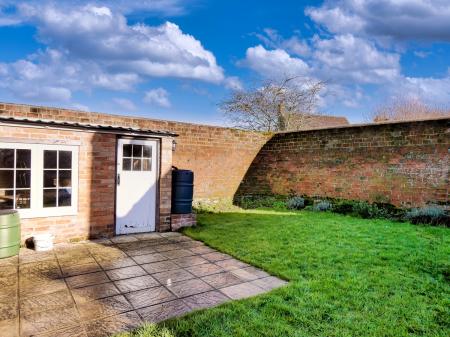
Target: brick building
<point x="79" y="180"/>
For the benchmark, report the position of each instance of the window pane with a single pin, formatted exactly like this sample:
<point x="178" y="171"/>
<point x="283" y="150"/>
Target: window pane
<point x="65" y="159"/>
<point x="6" y="178"/>
<point x="6" y="158"/>
<point x="64" y="197"/>
<point x="126" y="164"/>
<point x="146" y="165"/>
<point x="127" y="150"/>
<point x="137" y="164"/>
<point x="23" y="159"/>
<point x="137" y="151"/>
<point x="50" y="178"/>
<point x="65" y="178"/>
<point x="147" y="151"/>
<point x="6" y="199"/>
<point x="23" y="199"/>
<point x="49" y="159"/>
<point x="23" y="178"/>
<point x="50" y="198"/>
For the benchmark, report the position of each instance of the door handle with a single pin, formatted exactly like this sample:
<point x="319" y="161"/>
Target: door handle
<point x="118" y="179"/>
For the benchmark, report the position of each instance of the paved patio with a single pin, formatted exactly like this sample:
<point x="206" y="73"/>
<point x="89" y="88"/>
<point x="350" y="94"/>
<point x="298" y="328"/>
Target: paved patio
<point x="102" y="287"/>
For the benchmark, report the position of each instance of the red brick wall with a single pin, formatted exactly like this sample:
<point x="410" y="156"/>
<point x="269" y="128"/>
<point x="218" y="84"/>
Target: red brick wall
<point x="96" y="173"/>
<point x="165" y="185"/>
<point x="403" y="163"/>
<point x="179" y="221"/>
<point x="406" y="164"/>
<point x="96" y="183"/>
<point x="218" y="156"/>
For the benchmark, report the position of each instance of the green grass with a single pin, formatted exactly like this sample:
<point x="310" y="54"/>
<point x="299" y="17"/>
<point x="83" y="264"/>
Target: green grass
<point x="348" y="277"/>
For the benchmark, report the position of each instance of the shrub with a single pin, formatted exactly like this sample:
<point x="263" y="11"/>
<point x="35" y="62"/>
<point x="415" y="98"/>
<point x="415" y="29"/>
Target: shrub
<point x="322" y="206"/>
<point x="431" y="215"/>
<point x="250" y="202"/>
<point x="278" y="204"/>
<point x="343" y="206"/>
<point x="295" y="203"/>
<point x="369" y="211"/>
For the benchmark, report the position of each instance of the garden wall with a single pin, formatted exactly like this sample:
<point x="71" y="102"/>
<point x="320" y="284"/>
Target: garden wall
<point x="219" y="156"/>
<point x="405" y="163"/>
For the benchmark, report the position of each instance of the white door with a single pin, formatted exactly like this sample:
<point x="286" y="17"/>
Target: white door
<point x="136" y="186"/>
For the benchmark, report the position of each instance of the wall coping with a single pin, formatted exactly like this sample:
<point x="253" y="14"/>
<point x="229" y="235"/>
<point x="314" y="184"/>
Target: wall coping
<point x="130" y="117"/>
<point x="363" y="125"/>
<point x="140" y="118"/>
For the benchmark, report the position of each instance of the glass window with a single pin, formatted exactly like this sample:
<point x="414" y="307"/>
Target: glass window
<point x="23" y="179"/>
<point x="50" y="159"/>
<point x="24" y="159"/>
<point x="137" y="151"/>
<point x="65" y="178"/>
<point x="23" y="198"/>
<point x="6" y="158"/>
<point x="136" y="157"/>
<point x="146" y="164"/>
<point x="137" y="164"/>
<point x="127" y="150"/>
<point x="50" y="198"/>
<point x="147" y="151"/>
<point x="57" y="178"/>
<point x="6" y="199"/>
<point x="126" y="164"/>
<point x="15" y="178"/>
<point x="7" y="178"/>
<point x="65" y="159"/>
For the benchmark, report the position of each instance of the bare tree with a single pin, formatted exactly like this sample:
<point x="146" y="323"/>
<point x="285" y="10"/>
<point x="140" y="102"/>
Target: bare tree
<point x="407" y="108"/>
<point x="273" y="106"/>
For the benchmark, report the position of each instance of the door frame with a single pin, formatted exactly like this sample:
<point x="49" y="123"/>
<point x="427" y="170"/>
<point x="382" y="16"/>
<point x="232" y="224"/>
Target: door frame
<point x="157" y="180"/>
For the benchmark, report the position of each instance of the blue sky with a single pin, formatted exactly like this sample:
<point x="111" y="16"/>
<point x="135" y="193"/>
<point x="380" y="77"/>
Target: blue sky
<point x="174" y="59"/>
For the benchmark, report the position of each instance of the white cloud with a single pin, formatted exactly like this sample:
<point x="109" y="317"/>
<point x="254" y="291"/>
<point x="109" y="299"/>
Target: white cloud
<point x="3" y="69"/>
<point x="397" y="19"/>
<point x="119" y="82"/>
<point x="353" y="99"/>
<point x="274" y="63"/>
<point x="98" y="34"/>
<point x="232" y="82"/>
<point x="95" y="47"/>
<point x="429" y="89"/>
<point x="293" y="45"/>
<point x="53" y="75"/>
<point x="422" y="54"/>
<point x="142" y="8"/>
<point x="341" y="59"/>
<point x="345" y="58"/>
<point x="158" y="96"/>
<point x="125" y="103"/>
<point x="362" y="51"/>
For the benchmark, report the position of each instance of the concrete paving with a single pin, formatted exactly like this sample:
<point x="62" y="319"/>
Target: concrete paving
<point x="102" y="287"/>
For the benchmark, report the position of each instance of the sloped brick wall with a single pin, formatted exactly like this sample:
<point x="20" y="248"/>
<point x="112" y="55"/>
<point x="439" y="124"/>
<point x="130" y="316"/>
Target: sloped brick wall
<point x="406" y="164"/>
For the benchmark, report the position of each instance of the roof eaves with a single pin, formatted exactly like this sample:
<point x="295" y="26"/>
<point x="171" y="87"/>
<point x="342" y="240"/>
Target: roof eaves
<point x="89" y="126"/>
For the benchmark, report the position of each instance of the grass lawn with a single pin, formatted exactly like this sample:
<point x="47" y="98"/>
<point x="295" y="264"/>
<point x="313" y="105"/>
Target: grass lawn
<point x="348" y="277"/>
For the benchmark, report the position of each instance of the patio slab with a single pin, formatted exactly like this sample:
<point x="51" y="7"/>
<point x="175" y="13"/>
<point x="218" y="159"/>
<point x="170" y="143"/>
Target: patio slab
<point x="102" y="287"/>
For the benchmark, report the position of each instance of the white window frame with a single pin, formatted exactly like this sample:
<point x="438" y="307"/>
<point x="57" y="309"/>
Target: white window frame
<point x="37" y="209"/>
